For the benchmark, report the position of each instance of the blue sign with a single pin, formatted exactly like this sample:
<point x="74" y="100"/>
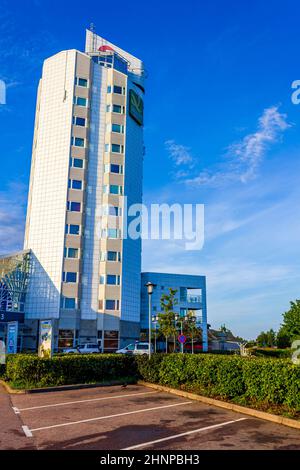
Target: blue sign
<point x="12" y="338"/>
<point x="182" y="339"/>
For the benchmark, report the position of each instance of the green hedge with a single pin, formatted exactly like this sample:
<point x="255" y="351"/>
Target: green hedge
<point x="271" y="352"/>
<point x="28" y="371"/>
<point x="251" y="380"/>
<point x="260" y="380"/>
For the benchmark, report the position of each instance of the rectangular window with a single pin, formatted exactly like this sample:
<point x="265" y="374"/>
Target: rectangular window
<point x="80" y="101"/>
<point x="73" y="229"/>
<point x="109" y="89"/>
<point x="69" y="277"/>
<point x="79" y="121"/>
<point x="65" y="339"/>
<point x="113" y="256"/>
<point x="76" y="162"/>
<point x="117" y="108"/>
<point x="111" y="340"/>
<point x="116" y="168"/>
<point x="68" y="302"/>
<point x="114" y="211"/>
<point x="112" y="304"/>
<point x="113" y="168"/>
<point x="73" y="206"/>
<point x="108" y="108"/>
<point x="117" y="128"/>
<point x="112" y="280"/>
<point x="106" y="148"/>
<point x="71" y="252"/>
<point x="75" y="184"/>
<point x="102" y="279"/>
<point x="77" y="141"/>
<point x="115" y="189"/>
<point x="111" y="233"/>
<point x="110" y="256"/>
<point x="116" y="148"/>
<point x="118" y="90"/>
<point x="81" y="82"/>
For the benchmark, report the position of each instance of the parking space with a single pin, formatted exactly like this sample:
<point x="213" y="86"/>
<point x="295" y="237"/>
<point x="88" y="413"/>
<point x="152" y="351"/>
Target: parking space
<point x="138" y="417"/>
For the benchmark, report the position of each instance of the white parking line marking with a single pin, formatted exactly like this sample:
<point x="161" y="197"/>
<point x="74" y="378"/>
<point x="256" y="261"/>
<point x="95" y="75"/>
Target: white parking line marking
<point x="83" y="401"/>
<point x="176" y="436"/>
<point x="16" y="410"/>
<point x="27" y="431"/>
<point x="110" y="416"/>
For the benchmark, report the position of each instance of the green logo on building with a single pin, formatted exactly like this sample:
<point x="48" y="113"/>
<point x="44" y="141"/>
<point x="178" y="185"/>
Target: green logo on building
<point x="136" y="107"/>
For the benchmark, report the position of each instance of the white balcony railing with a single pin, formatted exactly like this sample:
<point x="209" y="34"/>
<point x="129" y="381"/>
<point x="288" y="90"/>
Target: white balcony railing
<point x="193" y="299"/>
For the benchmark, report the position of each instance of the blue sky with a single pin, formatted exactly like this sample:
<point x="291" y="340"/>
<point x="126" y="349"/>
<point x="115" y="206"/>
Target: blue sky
<point x="218" y="102"/>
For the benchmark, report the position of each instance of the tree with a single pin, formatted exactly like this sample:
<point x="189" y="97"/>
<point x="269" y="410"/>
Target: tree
<point x="282" y="340"/>
<point x="266" y="339"/>
<point x="167" y="315"/>
<point x="191" y="330"/>
<point x="290" y="328"/>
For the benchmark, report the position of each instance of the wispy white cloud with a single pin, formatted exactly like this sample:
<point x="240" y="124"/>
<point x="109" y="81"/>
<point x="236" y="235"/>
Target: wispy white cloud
<point x="251" y="250"/>
<point x="243" y="158"/>
<point x="248" y="153"/>
<point x="180" y="154"/>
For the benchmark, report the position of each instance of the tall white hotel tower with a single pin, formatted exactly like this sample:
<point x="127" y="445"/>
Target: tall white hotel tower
<point x="87" y="155"/>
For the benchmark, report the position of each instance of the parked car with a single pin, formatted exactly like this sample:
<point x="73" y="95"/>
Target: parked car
<point x="88" y="348"/>
<point x="135" y="348"/>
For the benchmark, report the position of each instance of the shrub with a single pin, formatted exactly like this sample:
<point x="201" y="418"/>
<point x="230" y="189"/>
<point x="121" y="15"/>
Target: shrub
<point x="33" y="371"/>
<point x="263" y="380"/>
<point x="149" y="370"/>
<point x="271" y="352"/>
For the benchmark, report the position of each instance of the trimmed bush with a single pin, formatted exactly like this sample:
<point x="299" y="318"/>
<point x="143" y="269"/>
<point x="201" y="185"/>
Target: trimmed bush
<point x="149" y="370"/>
<point x="32" y="371"/>
<point x="253" y="380"/>
<point x="271" y="352"/>
<point x="261" y="380"/>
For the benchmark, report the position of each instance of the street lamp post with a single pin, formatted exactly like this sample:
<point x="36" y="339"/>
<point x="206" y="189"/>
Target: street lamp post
<point x="193" y="320"/>
<point x="150" y="286"/>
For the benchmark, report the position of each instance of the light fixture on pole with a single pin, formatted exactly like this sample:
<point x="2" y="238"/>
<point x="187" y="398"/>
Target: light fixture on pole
<point x="155" y="320"/>
<point x="193" y="320"/>
<point x="150" y="287"/>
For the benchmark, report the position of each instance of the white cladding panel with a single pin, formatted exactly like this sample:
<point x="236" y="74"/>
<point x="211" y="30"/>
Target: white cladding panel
<point x="49" y="183"/>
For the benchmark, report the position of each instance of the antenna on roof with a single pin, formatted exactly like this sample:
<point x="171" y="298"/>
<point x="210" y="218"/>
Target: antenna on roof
<point x="93" y="31"/>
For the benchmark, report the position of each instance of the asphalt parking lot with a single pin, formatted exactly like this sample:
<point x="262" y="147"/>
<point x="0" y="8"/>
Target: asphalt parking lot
<point x="137" y="417"/>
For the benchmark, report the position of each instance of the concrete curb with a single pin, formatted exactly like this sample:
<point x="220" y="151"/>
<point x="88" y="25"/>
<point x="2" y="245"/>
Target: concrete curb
<point x="59" y="388"/>
<point x="228" y="406"/>
<point x="10" y="390"/>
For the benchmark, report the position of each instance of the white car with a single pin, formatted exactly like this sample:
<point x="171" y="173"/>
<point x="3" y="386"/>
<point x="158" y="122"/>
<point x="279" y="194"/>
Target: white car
<point x="135" y="348"/>
<point x="88" y="348"/>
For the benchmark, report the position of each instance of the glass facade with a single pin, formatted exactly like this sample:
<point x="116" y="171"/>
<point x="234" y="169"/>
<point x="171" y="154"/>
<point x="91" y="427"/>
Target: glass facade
<point x="14" y="273"/>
